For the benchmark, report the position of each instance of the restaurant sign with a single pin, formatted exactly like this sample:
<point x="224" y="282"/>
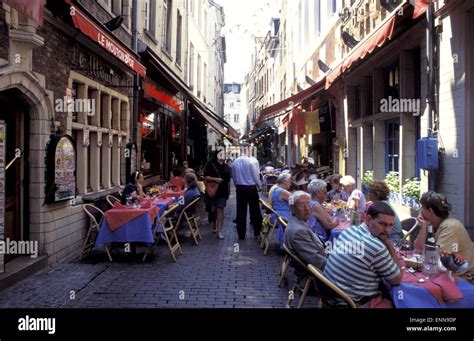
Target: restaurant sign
<point x="105" y="40"/>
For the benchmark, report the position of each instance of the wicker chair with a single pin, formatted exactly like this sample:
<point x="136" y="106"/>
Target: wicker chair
<point x="167" y="232"/>
<point x="95" y="217"/>
<point x="111" y="200"/>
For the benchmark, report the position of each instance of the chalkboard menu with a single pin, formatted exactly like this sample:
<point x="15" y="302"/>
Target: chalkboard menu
<point x="60" y="169"/>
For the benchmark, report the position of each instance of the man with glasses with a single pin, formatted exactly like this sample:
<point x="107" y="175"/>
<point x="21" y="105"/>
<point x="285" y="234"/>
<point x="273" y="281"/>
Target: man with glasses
<point x="337" y="192"/>
<point x="300" y="239"/>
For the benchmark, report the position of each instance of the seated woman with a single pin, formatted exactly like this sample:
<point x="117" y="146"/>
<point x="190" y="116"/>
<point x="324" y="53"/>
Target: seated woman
<point x="134" y="188"/>
<point x="356" y="199"/>
<point x="192" y="192"/>
<point x="177" y="183"/>
<point x="379" y="191"/>
<point x="449" y="233"/>
<point x="320" y="221"/>
<point x="279" y="201"/>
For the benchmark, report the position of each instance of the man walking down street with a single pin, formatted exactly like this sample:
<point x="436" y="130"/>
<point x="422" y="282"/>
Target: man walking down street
<point x="245" y="172"/>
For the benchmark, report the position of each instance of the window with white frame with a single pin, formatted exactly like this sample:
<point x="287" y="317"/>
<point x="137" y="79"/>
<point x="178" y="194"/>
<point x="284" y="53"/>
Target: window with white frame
<point x="179" y="32"/>
<point x="167" y="20"/>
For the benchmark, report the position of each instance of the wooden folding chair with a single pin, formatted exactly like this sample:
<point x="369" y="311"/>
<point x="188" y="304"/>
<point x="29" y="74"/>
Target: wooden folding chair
<point x="167" y="232"/>
<point x="286" y="261"/>
<point x="111" y="200"/>
<point x="95" y="218"/>
<point x="297" y="287"/>
<point x="268" y="231"/>
<point x="320" y="278"/>
<point x="190" y="215"/>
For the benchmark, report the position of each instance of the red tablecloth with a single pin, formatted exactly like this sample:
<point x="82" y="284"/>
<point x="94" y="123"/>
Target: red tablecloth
<point x="174" y="194"/>
<point x="441" y="286"/>
<point x="120" y="215"/>
<point x="169" y="201"/>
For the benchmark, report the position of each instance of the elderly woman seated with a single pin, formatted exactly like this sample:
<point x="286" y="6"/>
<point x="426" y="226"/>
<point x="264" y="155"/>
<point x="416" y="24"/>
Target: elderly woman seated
<point x="320" y="221"/>
<point x="356" y="199"/>
<point x="192" y="192"/>
<point x="379" y="191"/>
<point x="279" y="201"/>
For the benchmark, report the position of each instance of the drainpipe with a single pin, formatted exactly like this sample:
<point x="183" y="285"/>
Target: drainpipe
<point x="136" y="78"/>
<point x="431" y="105"/>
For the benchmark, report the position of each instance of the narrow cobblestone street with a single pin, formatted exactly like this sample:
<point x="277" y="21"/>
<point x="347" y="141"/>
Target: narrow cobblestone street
<point x="215" y="274"/>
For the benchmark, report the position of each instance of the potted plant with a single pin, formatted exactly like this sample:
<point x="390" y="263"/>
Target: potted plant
<point x="393" y="182"/>
<point x="411" y="193"/>
<point x="366" y="181"/>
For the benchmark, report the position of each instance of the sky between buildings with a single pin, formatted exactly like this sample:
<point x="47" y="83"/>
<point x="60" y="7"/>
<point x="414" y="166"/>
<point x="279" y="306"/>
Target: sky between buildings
<point x="244" y="19"/>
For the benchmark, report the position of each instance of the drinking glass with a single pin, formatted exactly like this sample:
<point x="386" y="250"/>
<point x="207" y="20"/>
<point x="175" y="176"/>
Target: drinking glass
<point x="407" y="248"/>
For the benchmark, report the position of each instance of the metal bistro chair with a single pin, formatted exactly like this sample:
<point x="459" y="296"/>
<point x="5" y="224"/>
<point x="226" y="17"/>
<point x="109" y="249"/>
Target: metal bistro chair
<point x="297" y="288"/>
<point x="95" y="218"/>
<point x="190" y="215"/>
<point x="111" y="200"/>
<point x="322" y="280"/>
<point x="168" y="233"/>
<point x="409" y="226"/>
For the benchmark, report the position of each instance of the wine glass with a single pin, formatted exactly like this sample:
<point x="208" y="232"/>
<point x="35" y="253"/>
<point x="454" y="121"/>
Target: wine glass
<point x="406" y="248"/>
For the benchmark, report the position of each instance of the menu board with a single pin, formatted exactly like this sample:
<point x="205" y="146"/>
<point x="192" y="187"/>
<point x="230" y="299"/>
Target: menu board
<point x="61" y="169"/>
<point x="65" y="168"/>
<point x="2" y="189"/>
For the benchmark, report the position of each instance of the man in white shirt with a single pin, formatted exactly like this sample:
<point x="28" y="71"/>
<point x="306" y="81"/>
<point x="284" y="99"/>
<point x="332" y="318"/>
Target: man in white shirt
<point x="246" y="175"/>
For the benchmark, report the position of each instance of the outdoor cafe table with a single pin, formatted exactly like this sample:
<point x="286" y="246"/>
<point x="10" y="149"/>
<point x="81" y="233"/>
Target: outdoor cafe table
<point x="137" y="225"/>
<point x="174" y="194"/>
<point x="412" y="294"/>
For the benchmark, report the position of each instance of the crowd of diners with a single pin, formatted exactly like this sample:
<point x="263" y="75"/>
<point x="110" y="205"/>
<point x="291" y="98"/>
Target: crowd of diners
<point x="363" y="258"/>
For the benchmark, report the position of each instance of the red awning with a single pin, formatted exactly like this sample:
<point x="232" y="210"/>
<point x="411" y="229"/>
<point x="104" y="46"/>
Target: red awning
<point x="211" y="120"/>
<point x="420" y="8"/>
<point x="105" y="40"/>
<point x="366" y="46"/>
<point x="272" y="111"/>
<point x="32" y="9"/>
<point x="377" y="38"/>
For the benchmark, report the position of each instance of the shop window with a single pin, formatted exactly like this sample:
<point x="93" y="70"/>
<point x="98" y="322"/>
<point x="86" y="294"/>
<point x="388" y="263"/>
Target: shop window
<point x="74" y="92"/>
<point x="392" y="145"/>
<point x="392" y="81"/>
<point x="100" y="160"/>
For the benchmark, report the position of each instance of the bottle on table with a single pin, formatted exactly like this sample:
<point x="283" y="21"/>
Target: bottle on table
<point x="431" y="256"/>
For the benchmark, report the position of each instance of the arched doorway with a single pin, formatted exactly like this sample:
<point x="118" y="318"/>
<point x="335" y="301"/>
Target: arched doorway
<point x="15" y="125"/>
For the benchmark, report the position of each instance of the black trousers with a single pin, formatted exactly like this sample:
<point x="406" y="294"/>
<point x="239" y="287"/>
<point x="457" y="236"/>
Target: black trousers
<point x="248" y="196"/>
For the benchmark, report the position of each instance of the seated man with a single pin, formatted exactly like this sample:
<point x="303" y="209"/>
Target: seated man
<point x="363" y="256"/>
<point x="300" y="239"/>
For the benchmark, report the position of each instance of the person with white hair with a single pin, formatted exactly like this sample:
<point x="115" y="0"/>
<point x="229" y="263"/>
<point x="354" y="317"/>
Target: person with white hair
<point x="356" y="199"/>
<point x="279" y="201"/>
<point x="300" y="239"/>
<point x="320" y="222"/>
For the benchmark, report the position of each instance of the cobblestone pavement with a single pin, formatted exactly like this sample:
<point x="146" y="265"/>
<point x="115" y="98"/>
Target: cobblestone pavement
<point x="225" y="273"/>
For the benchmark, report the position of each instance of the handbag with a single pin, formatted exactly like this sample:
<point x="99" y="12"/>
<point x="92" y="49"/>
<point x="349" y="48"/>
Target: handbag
<point x="212" y="186"/>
